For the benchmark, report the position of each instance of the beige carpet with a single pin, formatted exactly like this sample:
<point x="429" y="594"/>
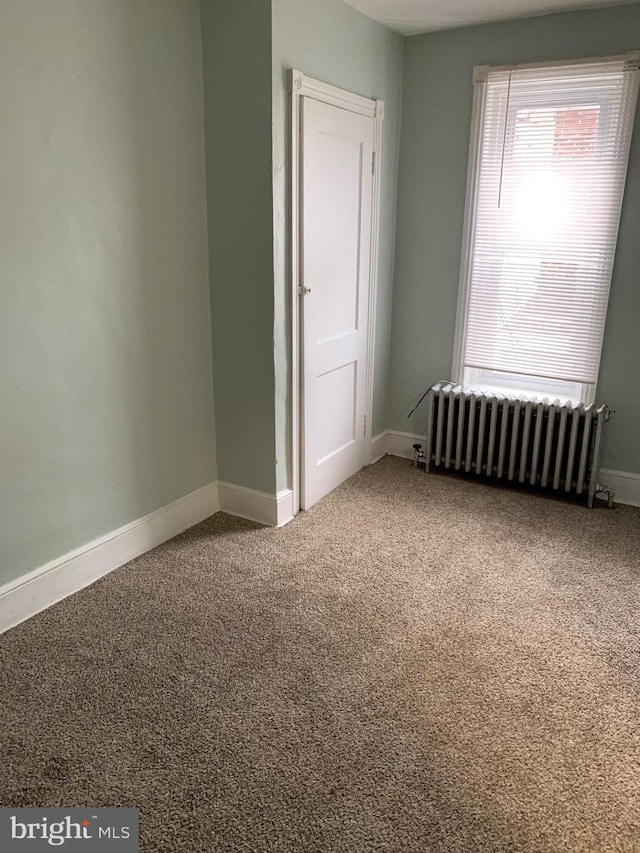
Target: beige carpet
<point x="417" y="664"/>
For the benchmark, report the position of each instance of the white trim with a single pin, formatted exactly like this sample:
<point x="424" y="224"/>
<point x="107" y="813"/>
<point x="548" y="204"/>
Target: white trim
<point x="284" y="507"/>
<point x="40" y="588"/>
<point x="625" y="485"/>
<point x="395" y="443"/>
<point x="303" y="86"/>
<point x="308" y="87"/>
<point x="296" y="395"/>
<point x="272" y="510"/>
<point x="632" y="57"/>
<point x="373" y="255"/>
<point x="468" y="230"/>
<point x="27" y="595"/>
<point x="378" y="447"/>
<point x="401" y="443"/>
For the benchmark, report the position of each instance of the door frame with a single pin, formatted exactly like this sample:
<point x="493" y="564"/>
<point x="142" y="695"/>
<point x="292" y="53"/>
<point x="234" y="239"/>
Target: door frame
<point x="303" y="86"/>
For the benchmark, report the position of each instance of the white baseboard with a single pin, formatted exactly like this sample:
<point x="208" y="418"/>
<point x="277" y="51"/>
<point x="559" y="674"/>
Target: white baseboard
<point x="625" y="485"/>
<point x="401" y="443"/>
<point x="284" y="507"/>
<point x="272" y="510"/>
<point x="394" y="443"/>
<point x="378" y="447"/>
<point x="48" y="584"/>
<point x="44" y="586"/>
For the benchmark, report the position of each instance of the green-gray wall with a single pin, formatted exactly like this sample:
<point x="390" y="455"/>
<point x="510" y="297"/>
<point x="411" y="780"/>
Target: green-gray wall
<point x="334" y="43"/>
<point x="106" y="390"/>
<point x="237" y="72"/>
<point x="436" y="112"/>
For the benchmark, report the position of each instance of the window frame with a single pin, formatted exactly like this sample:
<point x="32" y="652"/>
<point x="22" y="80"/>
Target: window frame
<point x="577" y="392"/>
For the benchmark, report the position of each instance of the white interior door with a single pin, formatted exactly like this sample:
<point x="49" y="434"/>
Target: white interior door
<point x="336" y="208"/>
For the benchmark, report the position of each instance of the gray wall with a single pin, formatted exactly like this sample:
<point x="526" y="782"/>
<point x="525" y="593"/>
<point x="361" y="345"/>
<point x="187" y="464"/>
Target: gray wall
<point x="431" y="194"/>
<point x="107" y="410"/>
<point x="332" y="42"/>
<point x="237" y="71"/>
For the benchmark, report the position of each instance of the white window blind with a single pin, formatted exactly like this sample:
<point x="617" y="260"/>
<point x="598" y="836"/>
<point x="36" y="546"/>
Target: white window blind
<point x="550" y="168"/>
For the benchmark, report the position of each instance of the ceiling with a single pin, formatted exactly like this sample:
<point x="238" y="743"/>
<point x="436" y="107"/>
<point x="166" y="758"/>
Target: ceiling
<point x="420" y="16"/>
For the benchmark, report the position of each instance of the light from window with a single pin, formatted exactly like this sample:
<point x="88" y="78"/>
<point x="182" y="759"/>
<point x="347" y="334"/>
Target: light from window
<point x="548" y="162"/>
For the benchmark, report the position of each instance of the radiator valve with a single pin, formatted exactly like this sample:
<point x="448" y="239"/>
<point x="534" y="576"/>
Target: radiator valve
<point x="418" y="456"/>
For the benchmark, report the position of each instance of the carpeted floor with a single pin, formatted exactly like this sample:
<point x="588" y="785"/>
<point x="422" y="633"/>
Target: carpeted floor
<point x="418" y="664"/>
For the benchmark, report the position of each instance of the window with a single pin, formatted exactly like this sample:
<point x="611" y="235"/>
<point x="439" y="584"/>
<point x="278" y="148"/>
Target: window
<point x="548" y="162"/>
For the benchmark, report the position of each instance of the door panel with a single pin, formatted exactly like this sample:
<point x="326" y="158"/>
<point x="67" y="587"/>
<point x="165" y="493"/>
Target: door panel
<point x="337" y="182"/>
<point x="336" y="393"/>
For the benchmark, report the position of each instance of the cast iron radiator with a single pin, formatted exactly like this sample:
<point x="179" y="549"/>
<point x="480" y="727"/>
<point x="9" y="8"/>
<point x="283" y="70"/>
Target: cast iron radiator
<point x="542" y="443"/>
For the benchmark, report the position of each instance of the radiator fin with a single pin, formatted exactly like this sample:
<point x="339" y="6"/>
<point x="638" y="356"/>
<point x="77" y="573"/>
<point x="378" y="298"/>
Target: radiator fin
<point x="493" y="403"/>
<point x="504" y="432"/>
